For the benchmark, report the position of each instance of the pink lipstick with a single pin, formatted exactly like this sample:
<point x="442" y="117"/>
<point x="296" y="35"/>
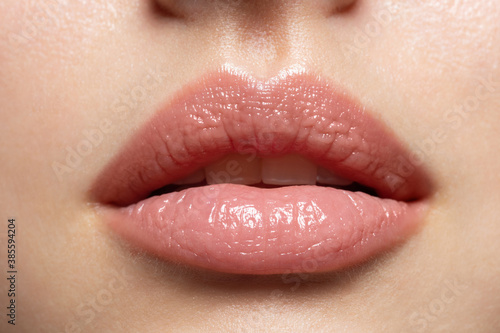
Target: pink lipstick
<point x="295" y="130"/>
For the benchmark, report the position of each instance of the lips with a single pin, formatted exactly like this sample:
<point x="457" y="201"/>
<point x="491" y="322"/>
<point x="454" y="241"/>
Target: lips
<point x="229" y="141"/>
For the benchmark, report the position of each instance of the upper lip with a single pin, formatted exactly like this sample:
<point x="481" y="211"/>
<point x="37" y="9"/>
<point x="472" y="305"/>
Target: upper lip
<point x="191" y="133"/>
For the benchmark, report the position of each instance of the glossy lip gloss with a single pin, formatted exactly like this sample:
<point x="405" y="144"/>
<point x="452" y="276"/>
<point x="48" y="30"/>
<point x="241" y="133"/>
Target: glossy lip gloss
<point x="249" y="230"/>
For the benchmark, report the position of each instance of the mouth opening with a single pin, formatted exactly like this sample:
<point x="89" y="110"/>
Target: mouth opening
<point x="263" y="172"/>
<point x="354" y="187"/>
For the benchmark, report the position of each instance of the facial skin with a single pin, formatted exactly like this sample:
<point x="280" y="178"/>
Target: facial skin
<point x="74" y="70"/>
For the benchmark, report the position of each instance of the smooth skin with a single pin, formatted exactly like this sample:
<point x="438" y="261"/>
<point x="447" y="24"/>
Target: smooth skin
<point x="74" y="72"/>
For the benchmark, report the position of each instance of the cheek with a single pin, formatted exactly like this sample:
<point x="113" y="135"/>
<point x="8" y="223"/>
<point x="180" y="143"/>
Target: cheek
<point x="449" y="44"/>
<point x="53" y="31"/>
<point x="46" y="66"/>
<point x="439" y="54"/>
<point x="48" y="52"/>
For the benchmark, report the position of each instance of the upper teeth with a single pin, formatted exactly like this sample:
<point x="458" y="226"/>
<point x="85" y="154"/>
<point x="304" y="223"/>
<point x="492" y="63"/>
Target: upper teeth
<point x="249" y="170"/>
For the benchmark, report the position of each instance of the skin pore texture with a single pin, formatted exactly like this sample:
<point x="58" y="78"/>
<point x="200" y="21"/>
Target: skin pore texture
<point x="78" y="79"/>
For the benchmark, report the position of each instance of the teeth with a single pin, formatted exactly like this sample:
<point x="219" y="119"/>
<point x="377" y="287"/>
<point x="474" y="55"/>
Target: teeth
<point x="328" y="178"/>
<point x="250" y="170"/>
<point x="235" y="169"/>
<point x="288" y="170"/>
<point x="195" y="178"/>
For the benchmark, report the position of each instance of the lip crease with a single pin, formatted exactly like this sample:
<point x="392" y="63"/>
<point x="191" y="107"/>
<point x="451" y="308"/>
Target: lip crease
<point x="250" y="230"/>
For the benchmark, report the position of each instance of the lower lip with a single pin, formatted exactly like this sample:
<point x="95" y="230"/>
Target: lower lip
<point x="247" y="230"/>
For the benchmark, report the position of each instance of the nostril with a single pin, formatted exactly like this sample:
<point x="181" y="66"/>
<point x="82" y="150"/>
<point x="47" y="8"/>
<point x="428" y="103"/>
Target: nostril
<point x="187" y="8"/>
<point x="339" y="6"/>
<point x="182" y="9"/>
<point x="164" y="9"/>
